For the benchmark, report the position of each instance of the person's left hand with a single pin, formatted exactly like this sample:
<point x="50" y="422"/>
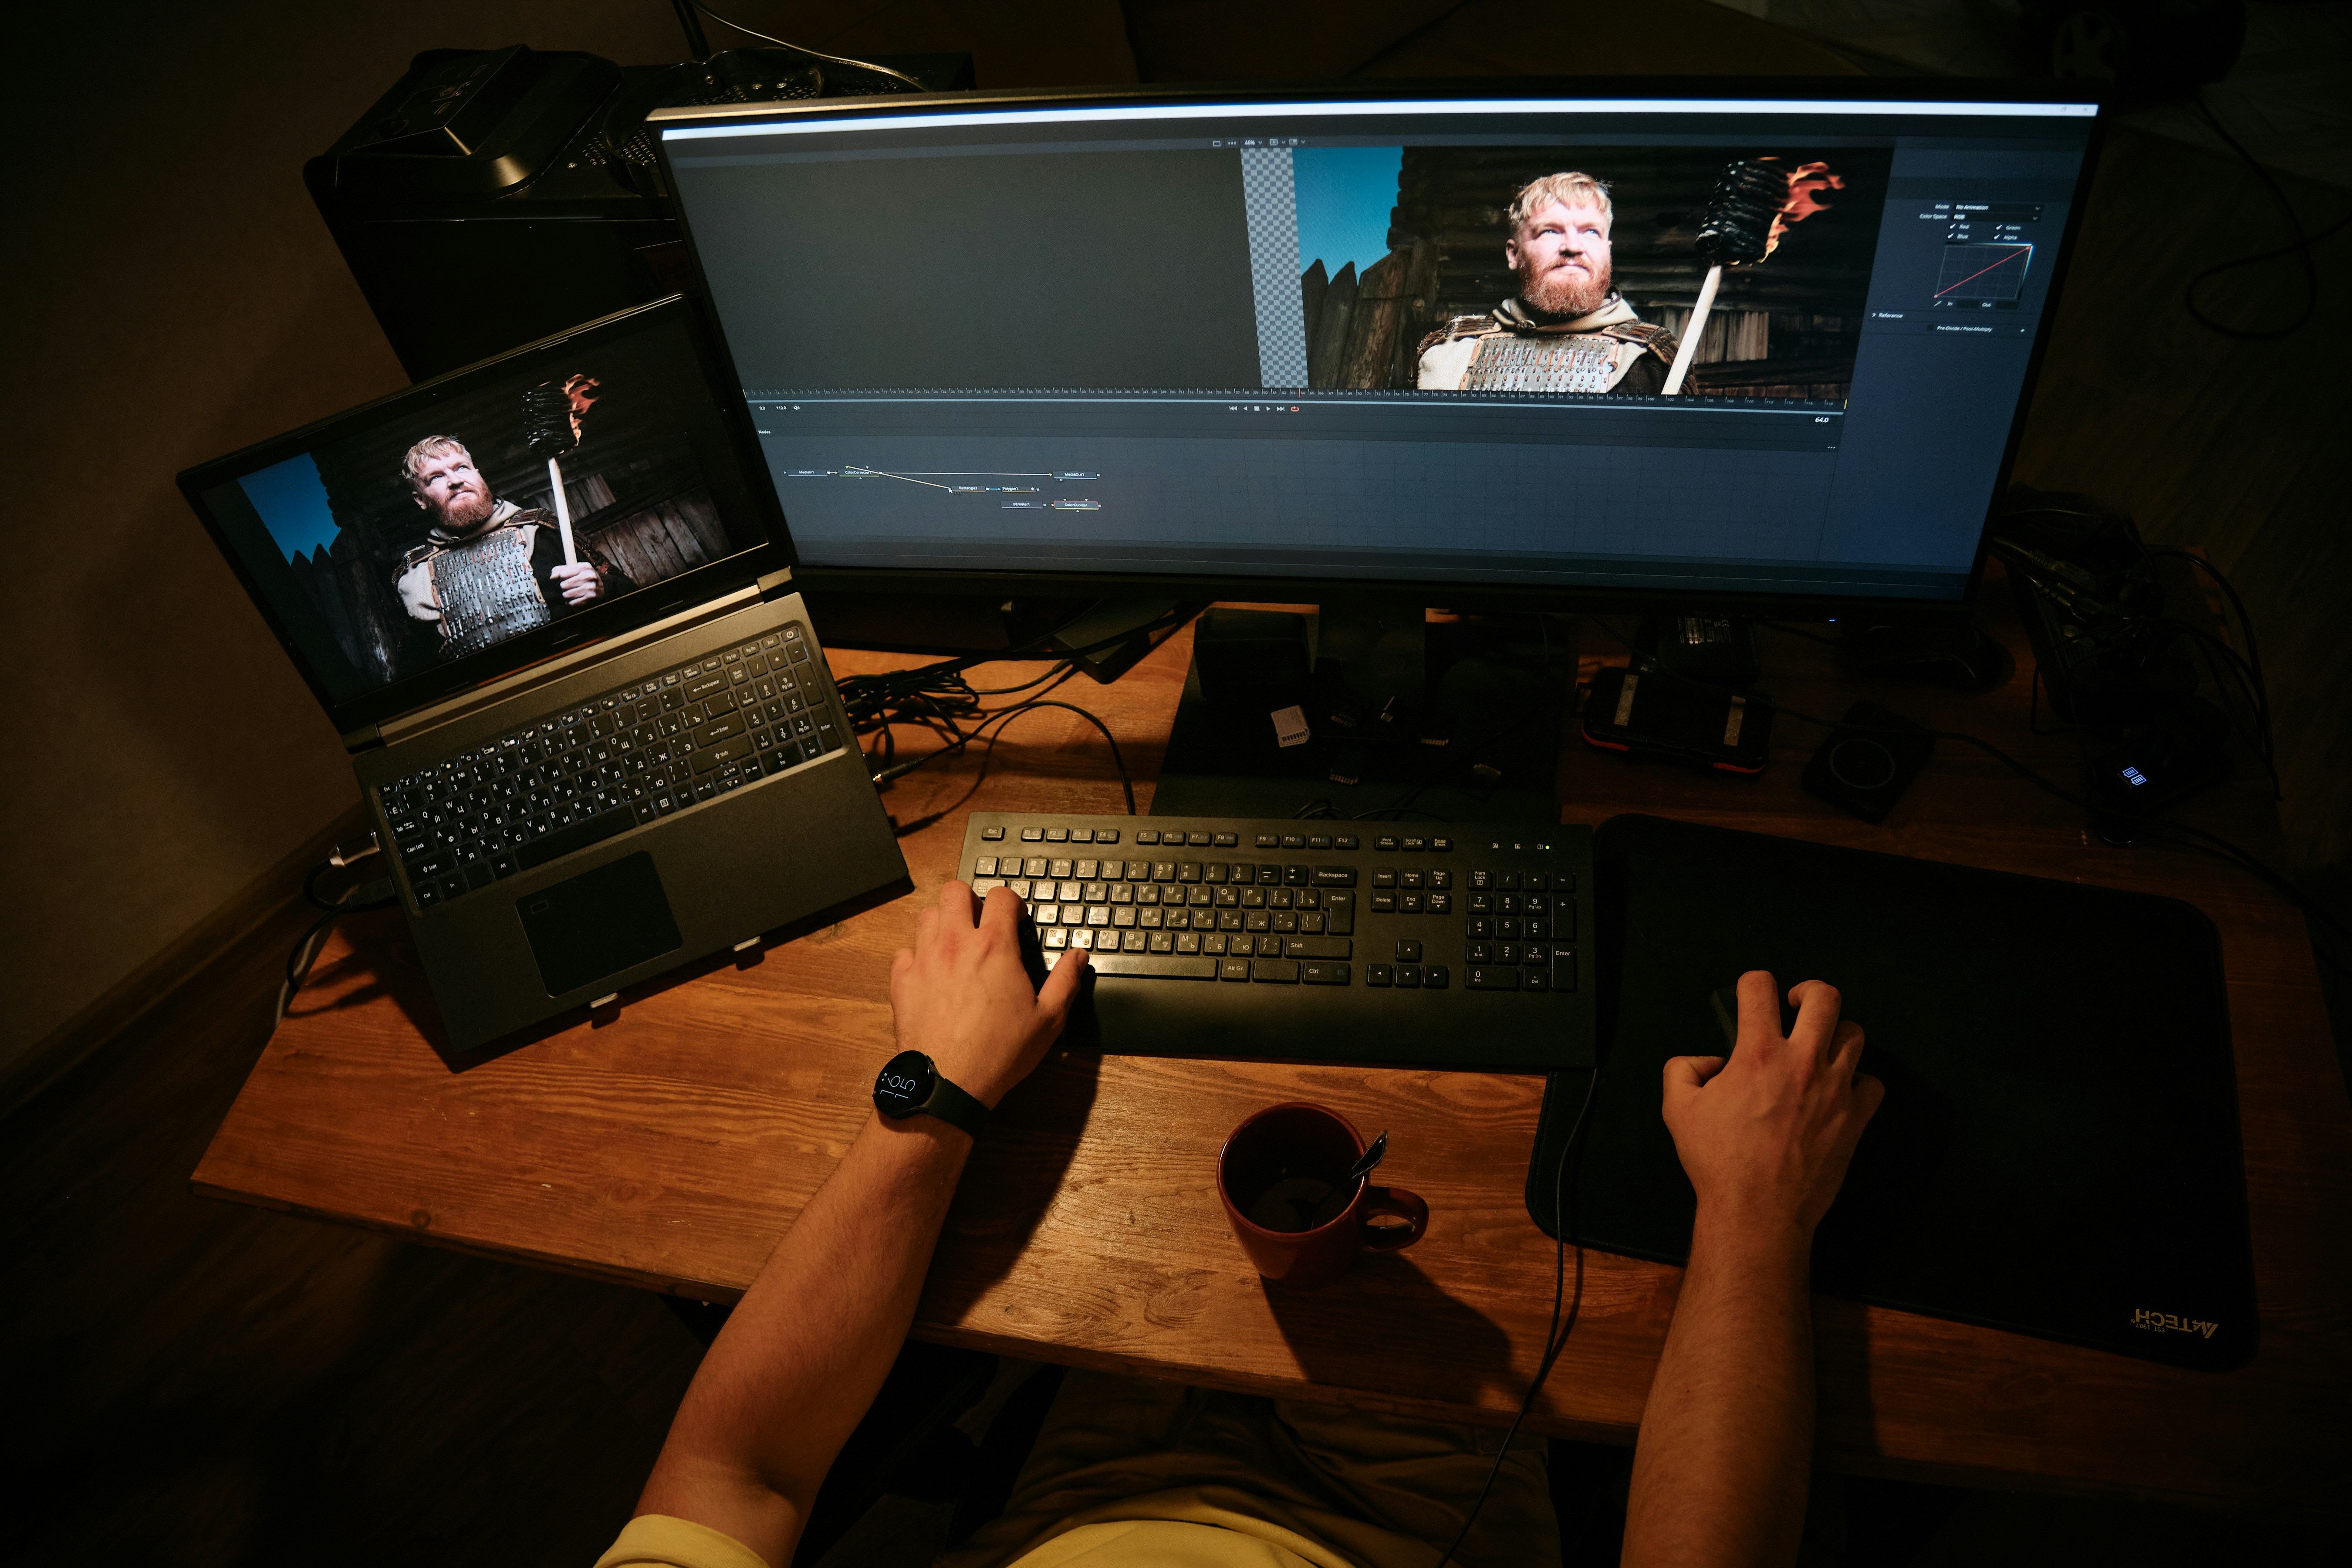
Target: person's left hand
<point x="580" y="582"/>
<point x="963" y="996"/>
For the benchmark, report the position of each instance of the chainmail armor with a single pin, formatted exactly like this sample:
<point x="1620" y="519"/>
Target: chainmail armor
<point x="487" y="591"/>
<point x="1548" y="363"/>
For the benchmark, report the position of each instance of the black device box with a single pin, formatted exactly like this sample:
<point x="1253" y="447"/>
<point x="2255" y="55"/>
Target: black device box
<point x="495" y="197"/>
<point x="1868" y="761"/>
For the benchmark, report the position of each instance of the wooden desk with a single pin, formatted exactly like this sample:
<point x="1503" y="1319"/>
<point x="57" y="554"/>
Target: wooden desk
<point x="670" y="1144"/>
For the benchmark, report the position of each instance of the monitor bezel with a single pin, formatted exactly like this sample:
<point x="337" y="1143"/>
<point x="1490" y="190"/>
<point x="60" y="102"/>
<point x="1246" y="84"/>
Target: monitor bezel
<point x="356" y="716"/>
<point x="1485" y="597"/>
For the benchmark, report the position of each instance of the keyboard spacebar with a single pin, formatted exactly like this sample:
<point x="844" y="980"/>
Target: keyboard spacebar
<point x="579" y="836"/>
<point x="1163" y="966"/>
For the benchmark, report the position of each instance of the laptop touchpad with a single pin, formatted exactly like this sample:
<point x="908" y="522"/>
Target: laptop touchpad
<point x="598" y="923"/>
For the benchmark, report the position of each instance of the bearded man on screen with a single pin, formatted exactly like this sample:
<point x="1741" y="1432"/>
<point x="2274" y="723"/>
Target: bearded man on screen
<point x="1567" y="329"/>
<point x="488" y="569"/>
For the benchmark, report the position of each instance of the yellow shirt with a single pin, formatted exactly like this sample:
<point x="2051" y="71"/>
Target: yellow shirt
<point x="1170" y="1530"/>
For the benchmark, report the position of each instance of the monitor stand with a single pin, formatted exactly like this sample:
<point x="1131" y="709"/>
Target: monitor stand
<point x="1408" y="719"/>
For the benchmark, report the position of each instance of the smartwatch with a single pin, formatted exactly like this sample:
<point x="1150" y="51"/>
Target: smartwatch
<point x="911" y="1085"/>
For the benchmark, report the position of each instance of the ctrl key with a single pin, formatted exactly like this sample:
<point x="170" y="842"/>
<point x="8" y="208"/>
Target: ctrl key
<point x="1323" y="972"/>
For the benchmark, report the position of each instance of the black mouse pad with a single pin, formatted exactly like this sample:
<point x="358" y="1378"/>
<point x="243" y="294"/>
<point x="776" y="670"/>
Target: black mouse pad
<point x="2058" y="1151"/>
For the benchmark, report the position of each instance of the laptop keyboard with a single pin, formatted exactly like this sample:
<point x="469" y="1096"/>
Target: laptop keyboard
<point x="647" y="750"/>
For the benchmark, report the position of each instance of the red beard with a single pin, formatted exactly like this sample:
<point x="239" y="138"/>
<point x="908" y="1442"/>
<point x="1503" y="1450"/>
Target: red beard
<point x="468" y="511"/>
<point x="1562" y="292"/>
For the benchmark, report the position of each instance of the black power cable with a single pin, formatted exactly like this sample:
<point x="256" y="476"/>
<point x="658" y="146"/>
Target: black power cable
<point x="2118" y="630"/>
<point x="305" y="952"/>
<point x="2193" y="838"/>
<point x="998" y="720"/>
<point x="1563" y="1218"/>
<point x="937" y="697"/>
<point x="2300" y="247"/>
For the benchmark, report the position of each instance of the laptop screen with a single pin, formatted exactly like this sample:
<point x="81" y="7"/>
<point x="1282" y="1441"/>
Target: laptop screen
<point x="545" y="493"/>
<point x="1748" y="346"/>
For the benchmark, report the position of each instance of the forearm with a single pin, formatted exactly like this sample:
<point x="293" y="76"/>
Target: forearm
<point x="1720" y="1468"/>
<point x="805" y="1350"/>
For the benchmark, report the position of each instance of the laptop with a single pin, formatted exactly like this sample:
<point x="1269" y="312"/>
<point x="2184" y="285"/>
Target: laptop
<point x="548" y="602"/>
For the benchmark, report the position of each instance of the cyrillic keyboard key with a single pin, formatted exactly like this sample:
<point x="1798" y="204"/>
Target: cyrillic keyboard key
<point x="722" y="753"/>
<point x="579" y="836"/>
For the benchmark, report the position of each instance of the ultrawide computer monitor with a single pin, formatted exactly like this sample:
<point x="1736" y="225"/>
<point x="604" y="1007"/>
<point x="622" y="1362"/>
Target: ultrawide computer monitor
<point x="1758" y="346"/>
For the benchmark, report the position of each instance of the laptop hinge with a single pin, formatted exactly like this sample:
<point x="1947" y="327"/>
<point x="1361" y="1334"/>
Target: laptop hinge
<point x="775" y="583"/>
<point x="362" y="737"/>
<point x="415" y="722"/>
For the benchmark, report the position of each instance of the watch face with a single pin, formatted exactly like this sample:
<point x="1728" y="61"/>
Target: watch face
<point x="905" y="1084"/>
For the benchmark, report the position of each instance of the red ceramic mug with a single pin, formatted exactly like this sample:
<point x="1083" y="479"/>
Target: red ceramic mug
<point x="1274" y="1175"/>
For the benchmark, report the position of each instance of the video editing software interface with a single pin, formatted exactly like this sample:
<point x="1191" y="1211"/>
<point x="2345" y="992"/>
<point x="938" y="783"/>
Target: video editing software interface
<point x="1409" y="339"/>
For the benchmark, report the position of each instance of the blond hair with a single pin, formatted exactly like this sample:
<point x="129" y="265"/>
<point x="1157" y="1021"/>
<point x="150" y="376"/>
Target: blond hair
<point x="1570" y="190"/>
<point x="431" y="445"/>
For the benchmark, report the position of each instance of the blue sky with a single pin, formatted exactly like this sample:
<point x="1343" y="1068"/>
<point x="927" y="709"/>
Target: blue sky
<point x="293" y="505"/>
<point x="1344" y="198"/>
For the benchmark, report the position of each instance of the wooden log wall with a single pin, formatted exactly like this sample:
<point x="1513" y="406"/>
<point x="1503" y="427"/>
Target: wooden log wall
<point x="649" y="542"/>
<point x="366" y="622"/>
<point x="1361" y="332"/>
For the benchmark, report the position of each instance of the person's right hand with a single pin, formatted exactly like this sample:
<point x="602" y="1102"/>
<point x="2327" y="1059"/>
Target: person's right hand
<point x="963" y="996"/>
<point x="1765" y="1138"/>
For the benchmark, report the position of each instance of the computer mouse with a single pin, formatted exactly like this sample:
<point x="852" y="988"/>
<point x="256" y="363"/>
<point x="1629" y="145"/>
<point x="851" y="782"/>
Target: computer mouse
<point x="1725" y="1001"/>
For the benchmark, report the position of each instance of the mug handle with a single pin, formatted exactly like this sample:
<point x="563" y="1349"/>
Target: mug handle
<point x="1398" y="1203"/>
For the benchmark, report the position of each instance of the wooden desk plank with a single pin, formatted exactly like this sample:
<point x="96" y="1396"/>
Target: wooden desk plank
<point x="672" y="1143"/>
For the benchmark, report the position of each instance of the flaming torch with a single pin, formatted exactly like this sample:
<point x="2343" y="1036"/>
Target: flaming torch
<point x="552" y="413"/>
<point x="1753" y="203"/>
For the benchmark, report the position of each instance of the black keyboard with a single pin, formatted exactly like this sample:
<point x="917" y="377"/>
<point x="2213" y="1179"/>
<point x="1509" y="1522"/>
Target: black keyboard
<point x="1463" y="944"/>
<point x="657" y="746"/>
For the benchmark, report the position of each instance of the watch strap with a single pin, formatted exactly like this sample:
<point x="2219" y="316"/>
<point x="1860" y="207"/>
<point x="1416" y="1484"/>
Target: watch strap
<point x="953" y="1106"/>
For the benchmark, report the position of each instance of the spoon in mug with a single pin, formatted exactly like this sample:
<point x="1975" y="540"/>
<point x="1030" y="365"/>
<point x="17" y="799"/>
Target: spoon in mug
<point x="1344" y="1191"/>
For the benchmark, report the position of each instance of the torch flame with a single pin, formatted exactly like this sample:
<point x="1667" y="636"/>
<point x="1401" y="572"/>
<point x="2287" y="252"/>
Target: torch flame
<point x="1800" y="205"/>
<point x="582" y="391"/>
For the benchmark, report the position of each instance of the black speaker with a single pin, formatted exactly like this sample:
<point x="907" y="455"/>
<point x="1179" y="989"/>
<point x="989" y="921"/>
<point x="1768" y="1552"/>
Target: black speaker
<point x="493" y="198"/>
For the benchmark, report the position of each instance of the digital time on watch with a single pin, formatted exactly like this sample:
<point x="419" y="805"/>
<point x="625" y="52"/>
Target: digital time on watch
<point x="911" y="1085"/>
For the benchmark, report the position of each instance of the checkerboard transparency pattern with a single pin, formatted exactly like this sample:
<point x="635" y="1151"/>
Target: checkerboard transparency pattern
<point x="1271" y="201"/>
